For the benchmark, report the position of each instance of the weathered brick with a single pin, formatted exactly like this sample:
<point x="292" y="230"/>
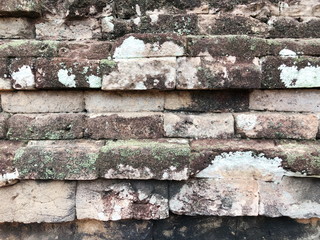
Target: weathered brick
<point x="3" y="124"/>
<point x="167" y="159"/>
<point x="114" y="200"/>
<point x="5" y="83"/>
<point x="149" y="45"/>
<point x="124" y="126"/>
<point x="53" y="126"/>
<point x="58" y="29"/>
<point x="219" y="72"/>
<point x="148" y="73"/>
<point x="67" y="73"/>
<point x="123" y="102"/>
<point x="31" y="201"/>
<point x="302" y="72"/>
<point x="220" y="125"/>
<point x="295" y="157"/>
<point x="16" y="28"/>
<point x="293" y="197"/>
<point x="277" y="125"/>
<point x="22" y="73"/>
<point x="58" y="160"/>
<point x="218" y="197"/>
<point x="42" y="102"/>
<point x="207" y="101"/>
<point x="18" y="8"/>
<point x="285" y="100"/>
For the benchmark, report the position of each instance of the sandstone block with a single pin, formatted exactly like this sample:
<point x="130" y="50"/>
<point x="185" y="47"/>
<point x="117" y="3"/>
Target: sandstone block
<point x="53" y="126"/>
<point x="220" y="125"/>
<point x="290" y="71"/>
<point x="293" y="197"/>
<point x="22" y="72"/>
<point x="218" y="72"/>
<point x="5" y="83"/>
<point x="40" y="202"/>
<point x="66" y="73"/>
<point x="16" y="28"/>
<point x="219" y="197"/>
<point x="207" y="101"/>
<point x="123" y="102"/>
<point x="42" y="102"/>
<point x="18" y="8"/>
<point x="115" y="200"/>
<point x="149" y="45"/>
<point x="58" y="160"/>
<point x="167" y="159"/>
<point x="148" y="73"/>
<point x="124" y="126"/>
<point x="277" y="125"/>
<point x="285" y="100"/>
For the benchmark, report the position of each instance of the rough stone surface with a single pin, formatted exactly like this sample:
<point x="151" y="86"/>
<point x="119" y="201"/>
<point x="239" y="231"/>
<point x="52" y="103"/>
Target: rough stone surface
<point x="199" y="126"/>
<point x="42" y="102"/>
<point x="31" y="201"/>
<point x="22" y="72"/>
<point x="65" y="73"/>
<point x="218" y="72"/>
<point x="291" y="101"/>
<point x="18" y="8"/>
<point x="297" y="198"/>
<point x="167" y="159"/>
<point x="60" y="160"/>
<point x="207" y="101"/>
<point x="114" y="200"/>
<point x="219" y="197"/>
<point x="124" y="126"/>
<point x="277" y="125"/>
<point x="149" y="73"/>
<point x="3" y="124"/>
<point x="123" y="102"/>
<point x="5" y="83"/>
<point x="52" y="126"/>
<point x="15" y="28"/>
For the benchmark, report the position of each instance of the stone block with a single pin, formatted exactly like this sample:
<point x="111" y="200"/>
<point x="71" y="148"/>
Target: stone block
<point x="218" y="72"/>
<point x="141" y="74"/>
<point x="58" y="160"/>
<point x="67" y="73"/>
<point x="3" y="124"/>
<point x="22" y="72"/>
<point x="220" y="125"/>
<point x="149" y="45"/>
<point x="99" y="102"/>
<point x="5" y="83"/>
<point x="16" y="28"/>
<point x="31" y="201"/>
<point x="277" y="125"/>
<point x="285" y="100"/>
<point x="218" y="197"/>
<point x="207" y="101"/>
<point x="293" y="197"/>
<point x="124" y="126"/>
<point x="107" y="200"/>
<point x="18" y="8"/>
<point x="167" y="159"/>
<point x="52" y="126"/>
<point x="42" y="102"/>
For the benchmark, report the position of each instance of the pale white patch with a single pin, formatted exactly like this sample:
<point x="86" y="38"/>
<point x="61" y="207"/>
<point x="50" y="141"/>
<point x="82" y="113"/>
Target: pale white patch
<point x="246" y="121"/>
<point x="137" y="21"/>
<point x="138" y="10"/>
<point x="154" y="18"/>
<point x="94" y="81"/>
<point x="187" y="71"/>
<point x="130" y="47"/>
<point x="305" y="77"/>
<point x="140" y="86"/>
<point x="256" y="62"/>
<point x="173" y="174"/>
<point x="231" y="59"/>
<point x="8" y="177"/>
<point x="107" y="24"/>
<point x="66" y="78"/>
<point x="23" y="77"/>
<point x="287" y="53"/>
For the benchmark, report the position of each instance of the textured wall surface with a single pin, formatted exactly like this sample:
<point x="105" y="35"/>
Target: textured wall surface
<point x="159" y="119"/>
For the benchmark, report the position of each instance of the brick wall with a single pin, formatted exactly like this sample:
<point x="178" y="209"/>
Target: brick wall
<point x="185" y="119"/>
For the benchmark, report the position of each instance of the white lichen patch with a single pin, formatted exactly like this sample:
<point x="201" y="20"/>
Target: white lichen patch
<point x="306" y="77"/>
<point x="129" y="172"/>
<point x="9" y="178"/>
<point x="287" y="53"/>
<point x="94" y="81"/>
<point x="246" y="122"/>
<point x="23" y="78"/>
<point x="107" y="24"/>
<point x="67" y="78"/>
<point x="173" y="174"/>
<point x="244" y="165"/>
<point x="187" y="71"/>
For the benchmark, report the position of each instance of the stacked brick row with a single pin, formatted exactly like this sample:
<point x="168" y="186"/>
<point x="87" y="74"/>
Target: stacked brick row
<point x="118" y="116"/>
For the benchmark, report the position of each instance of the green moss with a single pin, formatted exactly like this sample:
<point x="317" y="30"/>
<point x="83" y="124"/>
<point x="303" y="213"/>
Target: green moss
<point x="109" y="63"/>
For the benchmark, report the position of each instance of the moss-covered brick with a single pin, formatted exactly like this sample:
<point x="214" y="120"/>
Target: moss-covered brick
<point x="67" y="73"/>
<point x="54" y="126"/>
<point x="58" y="160"/>
<point x="145" y="159"/>
<point x="7" y="153"/>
